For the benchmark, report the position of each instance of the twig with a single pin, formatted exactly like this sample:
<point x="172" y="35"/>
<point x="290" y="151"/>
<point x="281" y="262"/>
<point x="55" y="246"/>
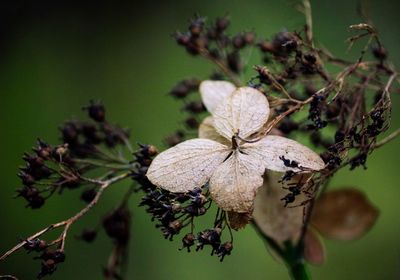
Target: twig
<point x="264" y="71"/>
<point x="309" y="24"/>
<point x="387" y="139"/>
<point x="67" y="223"/>
<point x="8" y="277"/>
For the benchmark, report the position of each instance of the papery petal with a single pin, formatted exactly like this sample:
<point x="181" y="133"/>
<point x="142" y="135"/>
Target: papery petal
<point x="207" y="131"/>
<point x="234" y="183"/>
<point x="245" y="111"/>
<point x="214" y="92"/>
<point x="187" y="165"/>
<point x="272" y="147"/>
<point x="344" y="214"/>
<point x="274" y="219"/>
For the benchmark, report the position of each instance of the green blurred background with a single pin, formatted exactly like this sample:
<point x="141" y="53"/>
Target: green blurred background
<point x="57" y="55"/>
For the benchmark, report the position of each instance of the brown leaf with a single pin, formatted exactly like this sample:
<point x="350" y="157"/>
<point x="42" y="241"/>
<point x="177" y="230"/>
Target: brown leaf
<point x="314" y="249"/>
<point x="344" y="214"/>
<point x="272" y="217"/>
<point x="238" y="220"/>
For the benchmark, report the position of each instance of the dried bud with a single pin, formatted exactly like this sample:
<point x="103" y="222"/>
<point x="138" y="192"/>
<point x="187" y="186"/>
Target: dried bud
<point x="238" y="42"/>
<point x="222" y="24"/>
<point x="96" y="112"/>
<point x="249" y="38"/>
<point x="182" y="38"/>
<point x="35" y="245"/>
<point x="379" y="52"/>
<point x="188" y="241"/>
<point x="88" y="235"/>
<point x="196" y="26"/>
<point x="88" y="195"/>
<point x="224" y="250"/>
<point x="175" y="138"/>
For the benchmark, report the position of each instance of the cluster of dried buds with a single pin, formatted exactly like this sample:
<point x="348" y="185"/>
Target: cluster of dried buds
<point x="174" y="212"/>
<point x="214" y="43"/>
<point x="49" y="256"/>
<point x="89" y="147"/>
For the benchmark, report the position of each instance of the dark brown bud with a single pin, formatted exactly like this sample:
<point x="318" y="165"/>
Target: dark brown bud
<point x="192" y="123"/>
<point x="379" y="52"/>
<point x="182" y="39"/>
<point x="195" y="107"/>
<point x="249" y="38"/>
<point x="196" y="26"/>
<point x="96" y="111"/>
<point x="266" y="46"/>
<point x="88" y="235"/>
<point x="222" y="23"/>
<point x="175" y="226"/>
<point x="238" y="42"/>
<point x="88" y="195"/>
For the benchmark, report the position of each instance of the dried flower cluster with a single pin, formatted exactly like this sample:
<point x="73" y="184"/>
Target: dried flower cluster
<point x="243" y="161"/>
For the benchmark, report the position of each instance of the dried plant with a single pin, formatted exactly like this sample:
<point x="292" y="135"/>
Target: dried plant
<point x="243" y="160"/>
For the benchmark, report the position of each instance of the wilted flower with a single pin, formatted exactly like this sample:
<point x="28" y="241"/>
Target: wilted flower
<point x="234" y="161"/>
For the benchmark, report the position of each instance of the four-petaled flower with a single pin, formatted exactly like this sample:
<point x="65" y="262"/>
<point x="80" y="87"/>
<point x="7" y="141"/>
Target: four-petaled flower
<point x="234" y="157"/>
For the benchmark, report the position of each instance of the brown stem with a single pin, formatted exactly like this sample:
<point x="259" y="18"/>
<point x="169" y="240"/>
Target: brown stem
<point x="387" y="139"/>
<point x="309" y="25"/>
<point x="68" y="222"/>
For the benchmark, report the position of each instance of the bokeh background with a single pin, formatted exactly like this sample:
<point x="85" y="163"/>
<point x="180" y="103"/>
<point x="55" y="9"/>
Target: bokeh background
<point x="57" y="55"/>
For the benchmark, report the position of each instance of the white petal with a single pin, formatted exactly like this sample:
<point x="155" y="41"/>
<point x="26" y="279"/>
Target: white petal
<point x="207" y="131"/>
<point x="245" y="111"/>
<point x="271" y="148"/>
<point x="214" y="92"/>
<point x="187" y="165"/>
<point x="272" y="217"/>
<point x="234" y="183"/>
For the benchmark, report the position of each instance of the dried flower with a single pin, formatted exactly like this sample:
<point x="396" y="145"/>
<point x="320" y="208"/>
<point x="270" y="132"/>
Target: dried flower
<point x="233" y="166"/>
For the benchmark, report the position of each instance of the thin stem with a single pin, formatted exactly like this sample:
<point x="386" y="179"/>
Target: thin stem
<point x="387" y="139"/>
<point x="309" y="24"/>
<point x="68" y="222"/>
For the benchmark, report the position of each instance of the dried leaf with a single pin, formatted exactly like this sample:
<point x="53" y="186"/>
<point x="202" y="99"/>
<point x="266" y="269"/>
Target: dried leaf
<point x="234" y="183"/>
<point x="214" y="92"/>
<point x="238" y="220"/>
<point x="187" y="165"/>
<point x="272" y="217"/>
<point x="314" y="249"/>
<point x="270" y="149"/>
<point x="245" y="111"/>
<point x="344" y="214"/>
<point x="207" y="131"/>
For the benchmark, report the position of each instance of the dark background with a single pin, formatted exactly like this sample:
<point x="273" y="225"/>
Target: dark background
<point x="57" y="55"/>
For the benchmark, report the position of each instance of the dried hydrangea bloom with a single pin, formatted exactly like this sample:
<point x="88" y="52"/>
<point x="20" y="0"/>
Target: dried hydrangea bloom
<point x="232" y="165"/>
